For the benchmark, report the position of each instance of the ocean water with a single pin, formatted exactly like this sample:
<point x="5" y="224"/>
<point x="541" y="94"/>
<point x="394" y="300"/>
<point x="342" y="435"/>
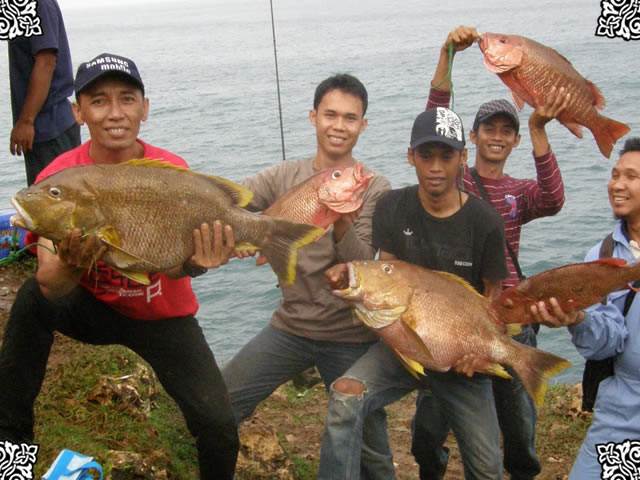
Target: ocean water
<point x="209" y="72"/>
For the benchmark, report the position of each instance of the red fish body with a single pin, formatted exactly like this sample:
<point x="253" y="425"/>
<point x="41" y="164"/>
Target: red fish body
<point x="530" y="69"/>
<point x="575" y="286"/>
<point x="324" y="197"/>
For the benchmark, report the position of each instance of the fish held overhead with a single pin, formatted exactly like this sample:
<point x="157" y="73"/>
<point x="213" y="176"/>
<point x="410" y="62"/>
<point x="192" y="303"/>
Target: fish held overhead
<point x="434" y="324"/>
<point x="531" y="69"/>
<point x="575" y="286"/>
<point x="145" y="212"/>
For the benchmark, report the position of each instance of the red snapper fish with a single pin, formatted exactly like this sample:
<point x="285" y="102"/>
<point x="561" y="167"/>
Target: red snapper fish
<point x="575" y="286"/>
<point x="323" y="198"/>
<point x="530" y="69"/>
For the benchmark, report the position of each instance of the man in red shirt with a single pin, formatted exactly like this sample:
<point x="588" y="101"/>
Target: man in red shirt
<point x="495" y="134"/>
<point x="103" y="307"/>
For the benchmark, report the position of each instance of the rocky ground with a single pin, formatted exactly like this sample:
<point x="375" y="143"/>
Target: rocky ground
<point x="103" y="401"/>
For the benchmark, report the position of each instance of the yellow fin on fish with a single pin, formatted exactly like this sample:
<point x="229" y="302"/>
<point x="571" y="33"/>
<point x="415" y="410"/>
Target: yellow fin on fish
<point x="240" y="195"/>
<point x="121" y="257"/>
<point x="111" y="237"/>
<point x="140" y="277"/>
<point x="498" y="370"/>
<point x="412" y="366"/>
<point x="461" y="281"/>
<point x="514" y="329"/>
<point x="246" y="247"/>
<point x="282" y="249"/>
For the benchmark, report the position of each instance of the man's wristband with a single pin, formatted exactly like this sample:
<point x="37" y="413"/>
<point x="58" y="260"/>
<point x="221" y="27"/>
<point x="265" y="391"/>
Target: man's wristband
<point x="192" y="270"/>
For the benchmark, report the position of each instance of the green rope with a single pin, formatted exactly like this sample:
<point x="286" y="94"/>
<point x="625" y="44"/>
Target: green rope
<point x="17" y="255"/>
<point x="448" y="76"/>
<point x="14" y="256"/>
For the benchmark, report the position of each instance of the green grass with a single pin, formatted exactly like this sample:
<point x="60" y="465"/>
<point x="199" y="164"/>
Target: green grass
<point x="65" y="418"/>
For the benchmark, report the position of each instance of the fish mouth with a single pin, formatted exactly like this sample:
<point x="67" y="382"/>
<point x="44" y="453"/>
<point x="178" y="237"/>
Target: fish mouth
<point x="482" y="43"/>
<point x="354" y="290"/>
<point x="21" y="219"/>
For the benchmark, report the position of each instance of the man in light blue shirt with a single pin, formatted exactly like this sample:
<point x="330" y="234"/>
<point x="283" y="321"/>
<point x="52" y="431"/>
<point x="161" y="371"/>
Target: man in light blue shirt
<point x="602" y="331"/>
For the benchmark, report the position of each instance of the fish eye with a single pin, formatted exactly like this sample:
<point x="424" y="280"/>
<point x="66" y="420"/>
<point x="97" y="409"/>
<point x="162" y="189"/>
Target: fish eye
<point x="386" y="268"/>
<point x="54" y="192"/>
<point x="336" y="174"/>
<point x="503" y="40"/>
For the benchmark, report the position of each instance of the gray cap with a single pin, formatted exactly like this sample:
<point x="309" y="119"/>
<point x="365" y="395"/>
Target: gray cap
<point x="496" y="107"/>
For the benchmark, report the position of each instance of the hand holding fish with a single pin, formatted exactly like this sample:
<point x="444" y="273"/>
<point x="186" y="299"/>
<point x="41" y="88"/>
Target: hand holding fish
<point x="552" y="106"/>
<point x="80" y="252"/>
<point x="338" y="276"/>
<point x="555" y="316"/>
<point x="461" y="37"/>
<point x="470" y="364"/>
<point x="212" y="250"/>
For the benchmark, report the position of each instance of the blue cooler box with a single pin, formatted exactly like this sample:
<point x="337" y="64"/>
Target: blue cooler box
<point x="11" y="238"/>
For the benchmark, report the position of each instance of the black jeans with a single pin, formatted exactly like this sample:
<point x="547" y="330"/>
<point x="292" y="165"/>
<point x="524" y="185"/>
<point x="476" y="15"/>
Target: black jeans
<point x="43" y="153"/>
<point x="175" y="348"/>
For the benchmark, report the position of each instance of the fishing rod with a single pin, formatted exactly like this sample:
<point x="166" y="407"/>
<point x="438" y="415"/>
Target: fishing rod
<point x="275" y="57"/>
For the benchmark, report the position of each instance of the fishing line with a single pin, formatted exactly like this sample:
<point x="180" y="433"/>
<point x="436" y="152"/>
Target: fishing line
<point x="275" y="57"/>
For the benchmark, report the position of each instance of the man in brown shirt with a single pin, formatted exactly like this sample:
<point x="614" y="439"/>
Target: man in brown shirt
<point x="311" y="327"/>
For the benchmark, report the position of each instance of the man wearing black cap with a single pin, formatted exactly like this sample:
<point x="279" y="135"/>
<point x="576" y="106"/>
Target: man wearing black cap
<point x="100" y="306"/>
<point x="436" y="225"/>
<point x="495" y="134"/>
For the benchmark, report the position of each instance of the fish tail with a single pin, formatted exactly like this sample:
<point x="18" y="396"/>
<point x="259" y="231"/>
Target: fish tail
<point x="282" y="248"/>
<point x="607" y="132"/>
<point x="535" y="368"/>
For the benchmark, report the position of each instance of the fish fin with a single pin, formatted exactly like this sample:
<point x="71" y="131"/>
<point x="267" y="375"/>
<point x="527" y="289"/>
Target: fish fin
<point x="607" y="132"/>
<point x="122" y="258"/>
<point x="140" y="277"/>
<point x="240" y="195"/>
<point x="598" y="99"/>
<point x="411" y="333"/>
<point x="611" y="261"/>
<point x="574" y="128"/>
<point x="461" y="281"/>
<point x="497" y="370"/>
<point x="282" y="248"/>
<point x="535" y="367"/>
<point x="517" y="100"/>
<point x="155" y="163"/>
<point x="412" y="366"/>
<point x="246" y="247"/>
<point x="109" y="235"/>
<point x="513" y="329"/>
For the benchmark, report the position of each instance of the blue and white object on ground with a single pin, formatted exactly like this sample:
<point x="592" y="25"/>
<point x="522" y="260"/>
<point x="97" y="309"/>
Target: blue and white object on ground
<point x="70" y="465"/>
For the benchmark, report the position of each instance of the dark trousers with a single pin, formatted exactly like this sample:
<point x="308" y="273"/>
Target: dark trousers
<point x="516" y="416"/>
<point x="43" y="153"/>
<point x="175" y="348"/>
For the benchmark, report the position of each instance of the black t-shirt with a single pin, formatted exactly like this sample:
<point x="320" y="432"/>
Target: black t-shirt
<point x="469" y="243"/>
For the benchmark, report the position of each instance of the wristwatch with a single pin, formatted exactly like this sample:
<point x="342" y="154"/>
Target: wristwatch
<point x="192" y="270"/>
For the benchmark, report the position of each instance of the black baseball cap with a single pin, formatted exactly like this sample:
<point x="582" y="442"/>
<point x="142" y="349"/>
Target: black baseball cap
<point x="106" y="64"/>
<point x="438" y="125"/>
<point x="493" y="108"/>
